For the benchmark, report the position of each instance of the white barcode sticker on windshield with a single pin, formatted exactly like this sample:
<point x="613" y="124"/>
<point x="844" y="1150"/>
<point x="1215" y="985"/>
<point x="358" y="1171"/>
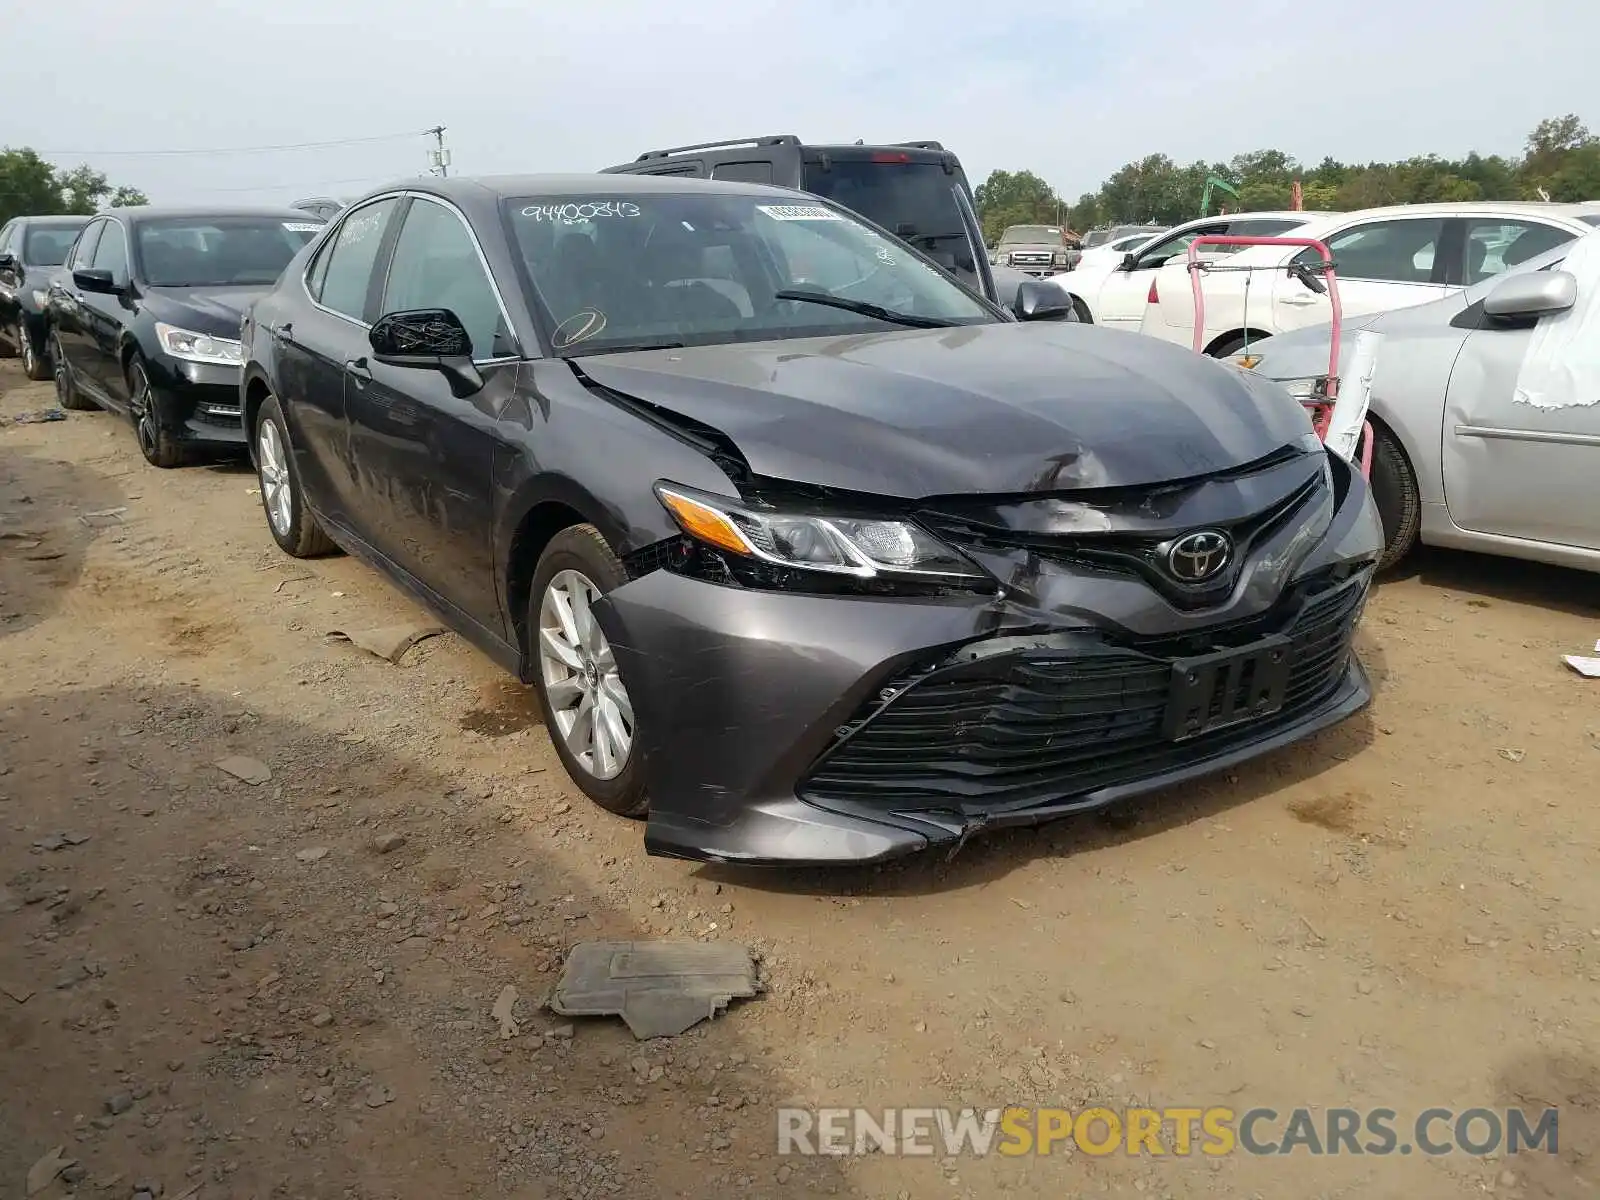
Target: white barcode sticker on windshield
<point x="798" y="212"/>
<point x="301" y="226"/>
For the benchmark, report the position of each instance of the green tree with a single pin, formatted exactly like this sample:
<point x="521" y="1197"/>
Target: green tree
<point x="1561" y="160"/>
<point x="30" y="186"/>
<point x="1016" y="198"/>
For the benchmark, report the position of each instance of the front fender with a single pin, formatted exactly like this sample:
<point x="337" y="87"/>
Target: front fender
<point x="565" y="432"/>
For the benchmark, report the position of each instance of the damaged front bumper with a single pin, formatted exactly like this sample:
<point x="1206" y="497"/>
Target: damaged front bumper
<point x="785" y="728"/>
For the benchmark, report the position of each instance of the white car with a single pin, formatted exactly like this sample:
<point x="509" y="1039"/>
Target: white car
<point x="1114" y="291"/>
<point x="1107" y="256"/>
<point x="1487" y="429"/>
<point x="1384" y="258"/>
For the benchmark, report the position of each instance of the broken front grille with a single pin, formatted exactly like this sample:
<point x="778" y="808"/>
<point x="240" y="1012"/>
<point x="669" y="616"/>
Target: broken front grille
<point x="1041" y="725"/>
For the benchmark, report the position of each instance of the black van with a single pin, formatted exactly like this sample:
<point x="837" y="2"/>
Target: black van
<point x="915" y="190"/>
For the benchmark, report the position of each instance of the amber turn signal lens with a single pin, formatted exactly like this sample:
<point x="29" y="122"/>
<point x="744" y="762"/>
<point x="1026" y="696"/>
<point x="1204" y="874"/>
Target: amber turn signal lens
<point x="704" y="523"/>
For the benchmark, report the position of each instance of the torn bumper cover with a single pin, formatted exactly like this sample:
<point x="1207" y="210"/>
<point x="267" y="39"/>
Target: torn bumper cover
<point x="781" y="727"/>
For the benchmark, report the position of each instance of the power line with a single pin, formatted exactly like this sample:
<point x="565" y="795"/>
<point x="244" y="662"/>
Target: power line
<point x="308" y="187"/>
<point x="382" y="137"/>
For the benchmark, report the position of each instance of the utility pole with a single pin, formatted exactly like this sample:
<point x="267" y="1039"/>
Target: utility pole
<point x="439" y="156"/>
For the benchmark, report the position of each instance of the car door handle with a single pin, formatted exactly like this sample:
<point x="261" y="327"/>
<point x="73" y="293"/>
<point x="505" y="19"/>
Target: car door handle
<point x="1302" y="299"/>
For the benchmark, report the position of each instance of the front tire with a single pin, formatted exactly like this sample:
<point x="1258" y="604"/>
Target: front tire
<point x="292" y="524"/>
<point x="587" y="710"/>
<point x="156" y="443"/>
<point x="34" y="365"/>
<point x="1395" y="492"/>
<point x="67" y="393"/>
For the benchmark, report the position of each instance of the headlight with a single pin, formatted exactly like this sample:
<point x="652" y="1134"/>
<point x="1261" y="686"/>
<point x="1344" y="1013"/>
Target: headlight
<point x="199" y="347"/>
<point x="858" y="547"/>
<point x="40" y="298"/>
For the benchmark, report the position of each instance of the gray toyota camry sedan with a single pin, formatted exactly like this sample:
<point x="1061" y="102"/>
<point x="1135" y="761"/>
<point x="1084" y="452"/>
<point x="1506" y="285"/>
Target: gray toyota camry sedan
<point x="812" y="554"/>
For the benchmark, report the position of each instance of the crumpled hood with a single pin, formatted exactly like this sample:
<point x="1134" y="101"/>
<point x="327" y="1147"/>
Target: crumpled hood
<point x="209" y="310"/>
<point x="1005" y="408"/>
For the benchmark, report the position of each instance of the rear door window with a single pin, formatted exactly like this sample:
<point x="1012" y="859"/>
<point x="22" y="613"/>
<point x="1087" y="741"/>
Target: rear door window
<point x="351" y="257"/>
<point x="112" y="252"/>
<point x="912" y="200"/>
<point x="1393" y="251"/>
<point x="743" y="172"/>
<point x="87" y="241"/>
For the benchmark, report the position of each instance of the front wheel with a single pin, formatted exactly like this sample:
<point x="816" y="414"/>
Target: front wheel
<point x="1395" y="492"/>
<point x="156" y="443"/>
<point x="34" y="365"/>
<point x="293" y="525"/>
<point x="586" y="706"/>
<point x="67" y="393"/>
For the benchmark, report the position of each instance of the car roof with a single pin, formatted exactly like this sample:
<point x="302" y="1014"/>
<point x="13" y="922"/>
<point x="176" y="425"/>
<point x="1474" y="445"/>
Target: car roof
<point x="476" y="189"/>
<point x="57" y="220"/>
<point x="137" y="213"/>
<point x="1469" y="208"/>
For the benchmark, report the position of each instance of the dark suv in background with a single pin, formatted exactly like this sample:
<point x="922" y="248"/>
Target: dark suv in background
<point x="915" y="190"/>
<point x="31" y="248"/>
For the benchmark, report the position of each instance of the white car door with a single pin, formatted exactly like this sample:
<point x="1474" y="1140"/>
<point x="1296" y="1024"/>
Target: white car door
<point x="1380" y="264"/>
<point x="1522" y="421"/>
<point x="1122" y="296"/>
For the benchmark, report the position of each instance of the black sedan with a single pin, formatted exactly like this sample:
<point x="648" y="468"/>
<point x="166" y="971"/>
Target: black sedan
<point x="810" y="552"/>
<point x="31" y="248"/>
<point x="144" y="318"/>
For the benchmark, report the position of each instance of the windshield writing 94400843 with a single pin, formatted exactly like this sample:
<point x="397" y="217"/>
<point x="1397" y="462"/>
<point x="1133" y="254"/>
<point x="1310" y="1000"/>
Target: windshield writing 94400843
<point x="584" y="210"/>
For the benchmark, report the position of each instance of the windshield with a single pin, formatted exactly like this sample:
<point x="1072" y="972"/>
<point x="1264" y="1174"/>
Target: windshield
<point x="1096" y="237"/>
<point x="1031" y="233"/>
<point x="220" y="251"/>
<point x="912" y="200"/>
<point x="47" y="246"/>
<point x="705" y="268"/>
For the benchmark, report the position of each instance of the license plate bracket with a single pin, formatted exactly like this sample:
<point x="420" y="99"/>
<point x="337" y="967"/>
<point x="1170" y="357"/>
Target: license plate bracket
<point x="1227" y="687"/>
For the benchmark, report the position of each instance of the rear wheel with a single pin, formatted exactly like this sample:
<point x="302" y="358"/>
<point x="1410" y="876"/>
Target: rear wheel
<point x="1230" y="346"/>
<point x="586" y="706"/>
<point x="293" y="525"/>
<point x="67" y="393"/>
<point x="1394" y="491"/>
<point x="159" y="447"/>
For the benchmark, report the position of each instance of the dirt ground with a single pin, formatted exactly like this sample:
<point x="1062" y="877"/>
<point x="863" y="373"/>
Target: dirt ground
<point x="217" y="989"/>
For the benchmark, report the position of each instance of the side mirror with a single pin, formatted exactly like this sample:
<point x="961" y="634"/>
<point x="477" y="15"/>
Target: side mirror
<point x="431" y="339"/>
<point x="8" y="262"/>
<point x="1532" y="294"/>
<point x="99" y="282"/>
<point x="1130" y="260"/>
<point x="1041" y="302"/>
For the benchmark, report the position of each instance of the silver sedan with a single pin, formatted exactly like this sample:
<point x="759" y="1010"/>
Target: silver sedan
<point x="1485" y="411"/>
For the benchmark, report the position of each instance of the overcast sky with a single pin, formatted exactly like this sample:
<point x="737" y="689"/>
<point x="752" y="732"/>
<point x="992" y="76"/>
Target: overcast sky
<point x="1072" y="89"/>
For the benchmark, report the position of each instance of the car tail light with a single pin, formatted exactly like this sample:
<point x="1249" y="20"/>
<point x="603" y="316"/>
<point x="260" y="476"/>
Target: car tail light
<point x="890" y="156"/>
<point x="1152" y="296"/>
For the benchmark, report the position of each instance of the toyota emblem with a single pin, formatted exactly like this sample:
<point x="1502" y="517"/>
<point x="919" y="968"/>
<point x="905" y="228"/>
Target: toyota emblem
<point x="1197" y="557"/>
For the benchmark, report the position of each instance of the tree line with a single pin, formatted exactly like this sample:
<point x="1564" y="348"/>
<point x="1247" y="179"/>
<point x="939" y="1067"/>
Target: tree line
<point x="32" y="187"/>
<point x="1560" y="161"/>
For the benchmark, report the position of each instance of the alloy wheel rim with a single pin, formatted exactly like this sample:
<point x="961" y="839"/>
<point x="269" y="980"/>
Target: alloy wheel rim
<point x="144" y="418"/>
<point x="59" y="368"/>
<point x="592" y="712"/>
<point x="273" y="470"/>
